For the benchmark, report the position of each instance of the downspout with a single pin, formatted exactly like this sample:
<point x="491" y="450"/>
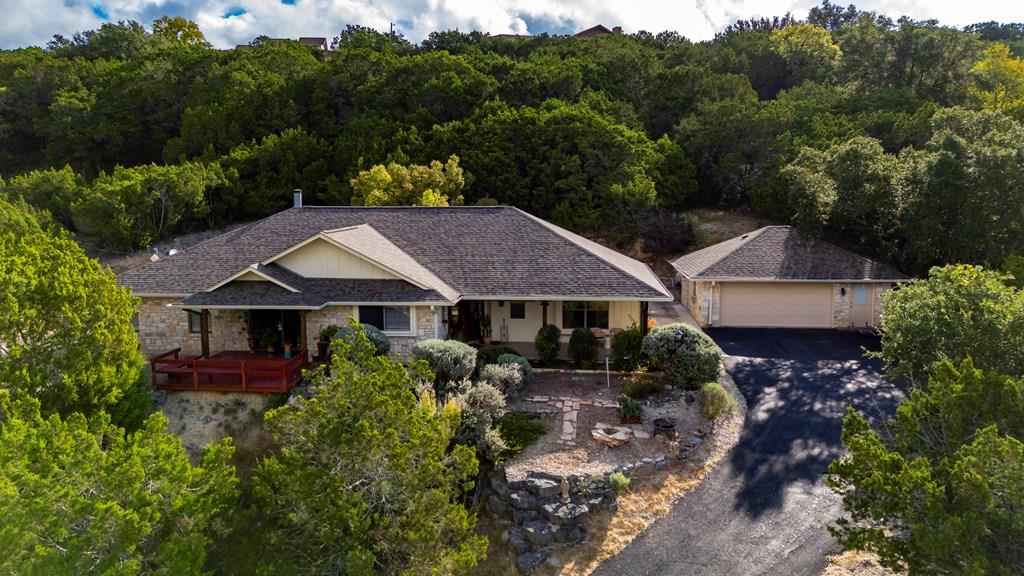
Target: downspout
<point x="711" y="303"/>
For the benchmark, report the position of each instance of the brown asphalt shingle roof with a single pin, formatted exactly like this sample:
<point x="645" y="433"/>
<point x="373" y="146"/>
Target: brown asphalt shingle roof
<point x="781" y="253"/>
<point x="475" y="251"/>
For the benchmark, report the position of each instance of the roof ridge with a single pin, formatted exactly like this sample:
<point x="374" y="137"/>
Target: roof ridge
<point x="659" y="287"/>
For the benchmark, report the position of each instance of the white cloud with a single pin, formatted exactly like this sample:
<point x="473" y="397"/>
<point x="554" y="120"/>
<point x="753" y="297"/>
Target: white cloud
<point x="28" y="22"/>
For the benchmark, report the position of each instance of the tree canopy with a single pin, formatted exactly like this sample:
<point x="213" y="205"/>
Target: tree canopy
<point x="80" y="496"/>
<point x="66" y="335"/>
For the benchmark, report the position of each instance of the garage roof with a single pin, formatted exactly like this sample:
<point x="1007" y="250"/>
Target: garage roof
<point x="781" y="253"/>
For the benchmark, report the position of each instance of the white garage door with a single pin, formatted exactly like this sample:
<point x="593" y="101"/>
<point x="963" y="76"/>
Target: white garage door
<point x="767" y="304"/>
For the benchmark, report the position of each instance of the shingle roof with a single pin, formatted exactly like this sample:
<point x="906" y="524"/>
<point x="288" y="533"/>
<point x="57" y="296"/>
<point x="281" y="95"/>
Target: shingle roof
<point x="314" y="294"/>
<point x="476" y="251"/>
<point x="781" y="253"/>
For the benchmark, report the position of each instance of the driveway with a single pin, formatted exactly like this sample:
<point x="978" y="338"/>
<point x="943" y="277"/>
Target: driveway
<point x="765" y="508"/>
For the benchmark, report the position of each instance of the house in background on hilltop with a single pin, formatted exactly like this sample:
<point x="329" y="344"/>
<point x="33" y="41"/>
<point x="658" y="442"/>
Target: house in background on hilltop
<point x="599" y="30"/>
<point x="244" y="310"/>
<point x="775" y="277"/>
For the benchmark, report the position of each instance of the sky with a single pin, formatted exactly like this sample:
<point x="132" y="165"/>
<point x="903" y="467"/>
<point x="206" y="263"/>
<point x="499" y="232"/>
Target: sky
<point x="229" y="22"/>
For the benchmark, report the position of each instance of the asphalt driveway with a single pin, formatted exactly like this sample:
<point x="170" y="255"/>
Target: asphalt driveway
<point x="765" y="509"/>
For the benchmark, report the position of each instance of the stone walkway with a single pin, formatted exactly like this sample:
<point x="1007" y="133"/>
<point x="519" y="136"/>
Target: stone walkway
<point x="570" y="410"/>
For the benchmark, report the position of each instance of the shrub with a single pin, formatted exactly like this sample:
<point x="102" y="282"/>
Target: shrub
<point x="629" y="409"/>
<point x="618" y="482"/>
<point x="450" y="360"/>
<point x="489" y="355"/>
<point x="505" y="377"/>
<point x="716" y="400"/>
<point x="547" y="342"/>
<point x="688" y="356"/>
<point x="519" y="431"/>
<point x="523" y="363"/>
<point x="583" y="347"/>
<point x="378" y="339"/>
<point x="640" y="384"/>
<point x="328" y="332"/>
<point x="666" y="233"/>
<point x="480" y="406"/>
<point x="628" y="349"/>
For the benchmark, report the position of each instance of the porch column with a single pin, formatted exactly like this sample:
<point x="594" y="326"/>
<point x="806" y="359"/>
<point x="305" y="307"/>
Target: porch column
<point x="644" y="314"/>
<point x="303" y="341"/>
<point x="544" y="313"/>
<point x="204" y="332"/>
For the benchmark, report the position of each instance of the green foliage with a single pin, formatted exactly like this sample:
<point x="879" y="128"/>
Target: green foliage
<point x="450" y="360"/>
<point x="66" y="333"/>
<point x="508" y="378"/>
<point x="519" y="431"/>
<point x="629" y="409"/>
<point x="686" y="354"/>
<point x="547" y="342"/>
<point x="958" y="312"/>
<point x="395" y="185"/>
<point x="489" y="354"/>
<point x="364" y="481"/>
<point x="80" y="496"/>
<point x="716" y="401"/>
<point x="952" y="458"/>
<point x="380" y="341"/>
<point x="618" y="482"/>
<point x="640" y="384"/>
<point x="999" y="81"/>
<point x="524" y="365"/>
<point x="480" y="407"/>
<point x="583" y="347"/>
<point x="627" y="349"/>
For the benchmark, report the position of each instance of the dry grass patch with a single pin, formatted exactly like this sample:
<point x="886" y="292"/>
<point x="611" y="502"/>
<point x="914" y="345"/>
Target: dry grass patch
<point x="856" y="563"/>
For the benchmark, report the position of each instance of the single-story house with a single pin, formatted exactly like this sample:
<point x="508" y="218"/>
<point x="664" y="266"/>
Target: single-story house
<point x="469" y="273"/>
<point x="776" y="277"/>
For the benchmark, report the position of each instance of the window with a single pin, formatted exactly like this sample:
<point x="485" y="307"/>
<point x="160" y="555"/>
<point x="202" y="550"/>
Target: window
<point x="584" y="315"/>
<point x="860" y="295"/>
<point x="195" y="322"/>
<point x="517" y="310"/>
<point x="387" y="318"/>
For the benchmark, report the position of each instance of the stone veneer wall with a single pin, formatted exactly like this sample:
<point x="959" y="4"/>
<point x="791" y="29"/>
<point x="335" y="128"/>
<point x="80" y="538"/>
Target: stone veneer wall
<point x="318" y="319"/>
<point x="400" y="345"/>
<point x="841" y="305"/>
<point x="163" y="328"/>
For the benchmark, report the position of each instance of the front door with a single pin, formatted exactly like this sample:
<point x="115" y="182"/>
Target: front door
<point x="465" y="320"/>
<point x="861" y="312"/>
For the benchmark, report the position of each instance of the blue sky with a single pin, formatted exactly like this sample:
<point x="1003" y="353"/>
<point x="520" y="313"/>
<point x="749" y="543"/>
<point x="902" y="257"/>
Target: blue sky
<point x="226" y="23"/>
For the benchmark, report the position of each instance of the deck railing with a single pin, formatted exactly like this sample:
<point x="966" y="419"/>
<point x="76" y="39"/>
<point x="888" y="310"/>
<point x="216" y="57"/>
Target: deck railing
<point x="260" y="375"/>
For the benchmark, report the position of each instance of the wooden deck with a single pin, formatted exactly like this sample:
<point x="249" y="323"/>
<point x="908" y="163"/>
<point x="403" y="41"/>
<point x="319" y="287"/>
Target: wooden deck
<point x="229" y="371"/>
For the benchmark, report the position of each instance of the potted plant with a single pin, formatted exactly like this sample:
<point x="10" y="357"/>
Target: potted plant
<point x="327" y="334"/>
<point x="287" y="350"/>
<point x="485" y="329"/>
<point x="630" y="410"/>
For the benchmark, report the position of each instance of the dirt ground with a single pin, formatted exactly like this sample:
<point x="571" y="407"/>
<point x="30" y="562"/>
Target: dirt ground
<point x="588" y="456"/>
<point x="718" y="225"/>
<point x="856" y="563"/>
<point x="121" y="261"/>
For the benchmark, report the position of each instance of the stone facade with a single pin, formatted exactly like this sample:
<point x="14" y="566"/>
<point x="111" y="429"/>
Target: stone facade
<point x="163" y="328"/>
<point x="340" y="315"/>
<point x="424" y="328"/>
<point x="841" y="305"/>
<point x="702" y="301"/>
<point x="319" y="319"/>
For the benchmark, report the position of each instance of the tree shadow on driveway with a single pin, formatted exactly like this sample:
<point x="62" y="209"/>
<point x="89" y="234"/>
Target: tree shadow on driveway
<point x="797" y="384"/>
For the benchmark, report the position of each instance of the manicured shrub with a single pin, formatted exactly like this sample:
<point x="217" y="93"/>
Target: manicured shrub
<point x="629" y="409"/>
<point x="640" y="384"/>
<point x="547" y="342"/>
<point x="618" y="482"/>
<point x="519" y="431"/>
<point x="481" y="406"/>
<point x="688" y="356"/>
<point x="715" y="401"/>
<point x="450" y="360"/>
<point x="524" y="364"/>
<point x="489" y="355"/>
<point x="628" y="349"/>
<point x="328" y="332"/>
<point x="583" y="347"/>
<point x="505" y="377"/>
<point x="380" y="341"/>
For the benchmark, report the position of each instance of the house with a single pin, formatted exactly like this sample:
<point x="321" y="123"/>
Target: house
<point x="414" y="272"/>
<point x="599" y="30"/>
<point x="318" y="42"/>
<point x="776" y="277"/>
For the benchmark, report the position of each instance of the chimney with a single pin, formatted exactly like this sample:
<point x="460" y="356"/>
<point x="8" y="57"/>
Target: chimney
<point x="617" y="30"/>
<point x="297" y="197"/>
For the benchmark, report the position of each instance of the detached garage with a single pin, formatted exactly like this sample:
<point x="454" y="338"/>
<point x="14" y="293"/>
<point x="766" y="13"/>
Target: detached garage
<point x="774" y="277"/>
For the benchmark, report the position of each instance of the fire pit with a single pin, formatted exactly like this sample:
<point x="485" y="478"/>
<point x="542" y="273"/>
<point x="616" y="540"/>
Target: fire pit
<point x="665" y="426"/>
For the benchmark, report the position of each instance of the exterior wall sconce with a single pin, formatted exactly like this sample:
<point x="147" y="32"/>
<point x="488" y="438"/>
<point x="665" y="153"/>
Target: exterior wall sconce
<point x="842" y="291"/>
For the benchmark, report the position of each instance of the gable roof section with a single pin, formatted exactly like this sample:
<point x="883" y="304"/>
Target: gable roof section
<point x="781" y="253"/>
<point x="480" y="252"/>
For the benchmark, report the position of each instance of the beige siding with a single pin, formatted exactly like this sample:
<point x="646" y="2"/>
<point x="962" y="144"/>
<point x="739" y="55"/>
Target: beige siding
<point x="320" y="259"/>
<point x="765" y="304"/>
<point x="504" y="328"/>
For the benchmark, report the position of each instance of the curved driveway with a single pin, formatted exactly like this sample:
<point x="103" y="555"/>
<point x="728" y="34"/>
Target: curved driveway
<point x="765" y="508"/>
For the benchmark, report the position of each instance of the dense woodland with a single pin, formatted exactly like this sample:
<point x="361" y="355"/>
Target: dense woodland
<point x="899" y="138"/>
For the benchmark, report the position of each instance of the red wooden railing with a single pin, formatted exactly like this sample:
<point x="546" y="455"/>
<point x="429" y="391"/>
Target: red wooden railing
<point x="234" y="372"/>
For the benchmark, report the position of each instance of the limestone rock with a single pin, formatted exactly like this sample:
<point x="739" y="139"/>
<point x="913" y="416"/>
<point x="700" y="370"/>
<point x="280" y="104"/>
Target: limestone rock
<point x="539" y="532"/>
<point x="565" y="512"/>
<point x="522" y="500"/>
<point x="530" y="561"/>
<point x="542" y="487"/>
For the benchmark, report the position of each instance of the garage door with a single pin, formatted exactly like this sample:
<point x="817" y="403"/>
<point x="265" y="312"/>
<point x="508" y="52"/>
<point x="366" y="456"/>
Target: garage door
<point x="797" y="305"/>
